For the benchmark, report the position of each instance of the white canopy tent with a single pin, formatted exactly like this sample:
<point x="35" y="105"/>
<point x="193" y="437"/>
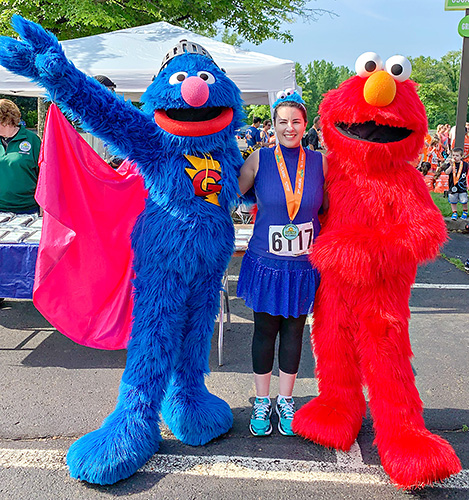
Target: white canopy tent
<point x="131" y="57"/>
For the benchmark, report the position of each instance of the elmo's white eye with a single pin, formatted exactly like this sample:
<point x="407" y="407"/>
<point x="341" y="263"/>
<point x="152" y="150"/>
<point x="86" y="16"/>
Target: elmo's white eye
<point x="208" y="77"/>
<point x="281" y="94"/>
<point x="399" y="68"/>
<point x="178" y="77"/>
<point x="367" y="64"/>
<point x="289" y="91"/>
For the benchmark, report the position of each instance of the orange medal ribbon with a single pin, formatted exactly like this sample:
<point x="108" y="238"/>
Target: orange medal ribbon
<point x="456" y="176"/>
<point x="293" y="198"/>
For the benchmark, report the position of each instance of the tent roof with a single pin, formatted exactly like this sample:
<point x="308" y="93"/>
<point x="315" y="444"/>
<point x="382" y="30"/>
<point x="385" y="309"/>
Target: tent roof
<point x="131" y="57"/>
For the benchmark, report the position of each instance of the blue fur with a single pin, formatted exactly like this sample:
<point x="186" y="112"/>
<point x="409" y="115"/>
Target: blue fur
<point x="294" y="97"/>
<point x="177" y="283"/>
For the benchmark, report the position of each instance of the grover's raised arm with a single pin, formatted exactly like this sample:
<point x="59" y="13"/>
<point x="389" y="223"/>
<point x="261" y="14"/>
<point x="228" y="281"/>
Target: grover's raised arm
<point x="39" y="57"/>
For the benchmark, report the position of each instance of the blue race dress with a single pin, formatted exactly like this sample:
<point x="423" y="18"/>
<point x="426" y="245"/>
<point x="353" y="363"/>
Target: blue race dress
<point x="270" y="281"/>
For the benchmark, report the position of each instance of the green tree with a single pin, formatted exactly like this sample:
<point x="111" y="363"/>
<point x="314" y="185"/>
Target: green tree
<point x="426" y="70"/>
<point x="252" y="20"/>
<point x="438" y="86"/>
<point x="440" y="103"/>
<point x="260" y="110"/>
<point x="451" y="68"/>
<point x="317" y="78"/>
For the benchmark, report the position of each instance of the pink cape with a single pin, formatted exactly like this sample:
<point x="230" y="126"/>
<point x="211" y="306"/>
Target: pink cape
<point x="84" y="266"/>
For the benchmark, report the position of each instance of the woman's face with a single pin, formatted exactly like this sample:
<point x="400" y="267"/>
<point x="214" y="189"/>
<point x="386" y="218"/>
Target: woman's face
<point x="289" y="126"/>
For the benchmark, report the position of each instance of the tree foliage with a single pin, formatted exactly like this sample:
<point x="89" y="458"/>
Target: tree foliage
<point x="251" y="20"/>
<point x="317" y="78"/>
<point x="438" y="86"/>
<point x="260" y="110"/>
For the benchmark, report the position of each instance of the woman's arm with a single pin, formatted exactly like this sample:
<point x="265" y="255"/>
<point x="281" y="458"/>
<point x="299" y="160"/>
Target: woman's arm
<point x="248" y="172"/>
<point x="325" y="200"/>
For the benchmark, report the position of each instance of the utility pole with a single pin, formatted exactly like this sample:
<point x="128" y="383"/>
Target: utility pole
<point x="463" y="93"/>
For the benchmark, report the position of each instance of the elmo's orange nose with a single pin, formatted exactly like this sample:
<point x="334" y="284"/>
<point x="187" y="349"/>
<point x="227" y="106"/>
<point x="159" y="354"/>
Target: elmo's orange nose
<point x="380" y="89"/>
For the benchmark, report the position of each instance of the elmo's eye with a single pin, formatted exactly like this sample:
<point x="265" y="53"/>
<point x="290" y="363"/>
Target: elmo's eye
<point x="205" y="75"/>
<point x="281" y="94"/>
<point x="399" y="68"/>
<point x="367" y="64"/>
<point x="177" y="77"/>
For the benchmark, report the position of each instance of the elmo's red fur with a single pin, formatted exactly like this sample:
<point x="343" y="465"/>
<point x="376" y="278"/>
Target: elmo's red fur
<point x="380" y="225"/>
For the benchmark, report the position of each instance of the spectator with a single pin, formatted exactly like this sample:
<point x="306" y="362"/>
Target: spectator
<point x="253" y="135"/>
<point x="107" y="82"/>
<point x="312" y="137"/>
<point x="19" y="154"/>
<point x="435" y="155"/>
<point x="457" y="171"/>
<point x="265" y="132"/>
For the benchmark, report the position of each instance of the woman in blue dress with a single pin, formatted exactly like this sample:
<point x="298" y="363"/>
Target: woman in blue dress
<point x="276" y="279"/>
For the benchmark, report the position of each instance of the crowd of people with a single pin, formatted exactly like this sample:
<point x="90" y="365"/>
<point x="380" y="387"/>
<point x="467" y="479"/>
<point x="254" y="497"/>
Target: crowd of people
<point x="444" y="168"/>
<point x="256" y="137"/>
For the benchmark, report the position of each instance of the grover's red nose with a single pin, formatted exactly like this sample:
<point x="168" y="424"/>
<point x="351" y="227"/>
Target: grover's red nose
<point x="194" y="91"/>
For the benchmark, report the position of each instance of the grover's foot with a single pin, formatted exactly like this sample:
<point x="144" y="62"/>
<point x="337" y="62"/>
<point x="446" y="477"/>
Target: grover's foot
<point x="329" y="423"/>
<point x="417" y="458"/>
<point x="195" y="416"/>
<point x="115" y="451"/>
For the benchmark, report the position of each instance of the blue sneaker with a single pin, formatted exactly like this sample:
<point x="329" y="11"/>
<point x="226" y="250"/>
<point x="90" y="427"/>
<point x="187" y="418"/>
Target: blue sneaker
<point x="464" y="215"/>
<point x="454" y="216"/>
<point x="260" y="424"/>
<point x="285" y="410"/>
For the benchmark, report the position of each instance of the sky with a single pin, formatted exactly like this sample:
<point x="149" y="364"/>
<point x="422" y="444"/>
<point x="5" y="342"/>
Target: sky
<point x="387" y="27"/>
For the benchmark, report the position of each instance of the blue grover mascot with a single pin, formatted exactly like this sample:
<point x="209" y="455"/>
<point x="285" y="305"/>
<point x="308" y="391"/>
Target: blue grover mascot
<point x="183" y="143"/>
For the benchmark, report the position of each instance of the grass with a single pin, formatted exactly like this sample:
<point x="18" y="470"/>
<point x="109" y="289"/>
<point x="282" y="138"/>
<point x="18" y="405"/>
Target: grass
<point x="443" y="204"/>
<point x="456" y="262"/>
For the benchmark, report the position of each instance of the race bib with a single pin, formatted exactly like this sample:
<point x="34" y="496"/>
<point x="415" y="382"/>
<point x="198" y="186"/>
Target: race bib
<point x="279" y="245"/>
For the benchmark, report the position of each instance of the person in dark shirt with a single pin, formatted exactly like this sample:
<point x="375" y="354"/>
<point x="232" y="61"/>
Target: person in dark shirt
<point x="457" y="182"/>
<point x="312" y="137"/>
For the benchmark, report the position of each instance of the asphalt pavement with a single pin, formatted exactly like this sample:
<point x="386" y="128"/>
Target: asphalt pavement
<point x="54" y="391"/>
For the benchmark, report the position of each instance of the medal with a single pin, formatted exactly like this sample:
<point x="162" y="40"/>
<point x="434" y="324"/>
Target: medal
<point x="290" y="231"/>
<point x="293" y="198"/>
<point x="454" y="189"/>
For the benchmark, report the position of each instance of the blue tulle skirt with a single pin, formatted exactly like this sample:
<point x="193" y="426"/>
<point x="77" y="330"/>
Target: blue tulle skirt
<point x="278" y="287"/>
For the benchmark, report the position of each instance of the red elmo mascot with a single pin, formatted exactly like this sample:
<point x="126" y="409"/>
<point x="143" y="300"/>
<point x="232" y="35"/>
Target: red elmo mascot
<point x="381" y="224"/>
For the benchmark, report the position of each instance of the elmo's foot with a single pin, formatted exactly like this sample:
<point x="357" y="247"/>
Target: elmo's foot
<point x="414" y="459"/>
<point x="329" y="422"/>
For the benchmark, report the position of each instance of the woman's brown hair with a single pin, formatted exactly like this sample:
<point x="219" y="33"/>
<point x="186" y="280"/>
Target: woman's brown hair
<point x="9" y="113"/>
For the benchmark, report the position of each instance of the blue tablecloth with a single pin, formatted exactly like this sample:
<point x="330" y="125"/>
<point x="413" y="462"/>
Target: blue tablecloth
<point x="17" y="267"/>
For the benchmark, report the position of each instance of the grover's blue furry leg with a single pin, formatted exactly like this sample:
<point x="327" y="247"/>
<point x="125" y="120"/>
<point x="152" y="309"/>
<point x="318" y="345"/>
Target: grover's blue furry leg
<point x="130" y="435"/>
<point x="193" y="414"/>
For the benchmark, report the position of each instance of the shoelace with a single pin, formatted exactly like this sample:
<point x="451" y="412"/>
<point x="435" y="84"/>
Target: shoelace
<point x="287" y="408"/>
<point x="261" y="410"/>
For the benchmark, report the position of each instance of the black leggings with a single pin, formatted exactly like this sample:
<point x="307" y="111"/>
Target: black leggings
<point x="266" y="328"/>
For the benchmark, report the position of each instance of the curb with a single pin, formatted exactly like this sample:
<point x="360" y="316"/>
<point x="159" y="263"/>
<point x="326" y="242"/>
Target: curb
<point x="460" y="226"/>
